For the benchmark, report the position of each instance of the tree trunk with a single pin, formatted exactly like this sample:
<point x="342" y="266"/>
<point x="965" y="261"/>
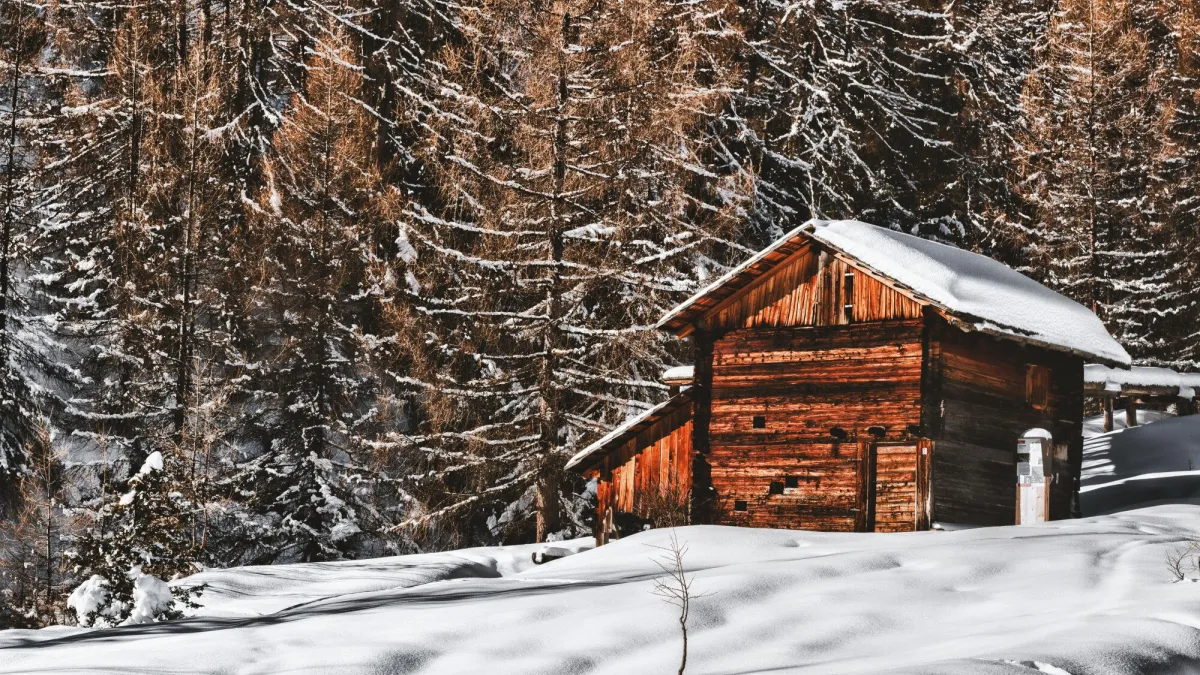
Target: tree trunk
<point x="549" y="472"/>
<point x="6" y="210"/>
<point x="1130" y="412"/>
<point x="1109" y="403"/>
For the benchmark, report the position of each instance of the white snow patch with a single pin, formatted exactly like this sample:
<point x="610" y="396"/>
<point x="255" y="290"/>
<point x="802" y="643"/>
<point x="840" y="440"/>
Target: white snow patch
<point x="151" y="596"/>
<point x="1084" y="596"/>
<point x="88" y="597"/>
<point x="1157" y="461"/>
<point x="679" y="374"/>
<point x="154" y="462"/>
<point x="1114" y="379"/>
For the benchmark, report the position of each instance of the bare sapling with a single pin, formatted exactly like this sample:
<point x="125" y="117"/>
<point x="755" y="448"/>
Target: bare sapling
<point x="1182" y="559"/>
<point x="675" y="587"/>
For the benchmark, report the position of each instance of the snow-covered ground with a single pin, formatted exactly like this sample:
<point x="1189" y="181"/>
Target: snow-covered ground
<point x="1158" y="462"/>
<point x="1088" y="596"/>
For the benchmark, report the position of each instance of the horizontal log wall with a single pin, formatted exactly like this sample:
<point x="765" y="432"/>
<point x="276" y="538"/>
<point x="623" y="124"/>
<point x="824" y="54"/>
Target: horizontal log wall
<point x="803" y="383"/>
<point x="983" y="393"/>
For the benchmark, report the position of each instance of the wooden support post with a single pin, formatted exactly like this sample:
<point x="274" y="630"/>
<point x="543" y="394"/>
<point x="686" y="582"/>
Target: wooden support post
<point x="1185" y="406"/>
<point x="1130" y="412"/>
<point x="703" y="500"/>
<point x="1109" y="402"/>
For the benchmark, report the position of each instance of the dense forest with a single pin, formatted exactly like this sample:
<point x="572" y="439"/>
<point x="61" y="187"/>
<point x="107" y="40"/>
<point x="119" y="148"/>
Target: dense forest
<point x="285" y="280"/>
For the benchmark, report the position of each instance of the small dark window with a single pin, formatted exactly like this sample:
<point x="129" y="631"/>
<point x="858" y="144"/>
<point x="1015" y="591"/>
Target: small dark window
<point x="792" y="482"/>
<point x="760" y="422"/>
<point x="1037" y="386"/>
<point x="914" y="430"/>
<point x="838" y="433"/>
<point x="877" y="432"/>
<point x="739" y="505"/>
<point x="776" y="488"/>
<point x="848" y="297"/>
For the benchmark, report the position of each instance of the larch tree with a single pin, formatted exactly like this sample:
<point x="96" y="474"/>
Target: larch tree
<point x="323" y="217"/>
<point x="1100" y="109"/>
<point x="582" y="199"/>
<point x="842" y="109"/>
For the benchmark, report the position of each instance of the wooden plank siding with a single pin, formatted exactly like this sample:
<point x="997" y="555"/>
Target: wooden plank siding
<point x="811" y="288"/>
<point x="985" y="401"/>
<point x="803" y="383"/>
<point x="660" y="470"/>
<point x="894" y="508"/>
<point x="646" y="474"/>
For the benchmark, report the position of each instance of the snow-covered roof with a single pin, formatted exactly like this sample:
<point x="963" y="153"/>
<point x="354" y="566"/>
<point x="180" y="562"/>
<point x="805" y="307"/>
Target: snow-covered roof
<point x="1116" y="380"/>
<point x="980" y="293"/>
<point x="630" y="428"/>
<point x="679" y="374"/>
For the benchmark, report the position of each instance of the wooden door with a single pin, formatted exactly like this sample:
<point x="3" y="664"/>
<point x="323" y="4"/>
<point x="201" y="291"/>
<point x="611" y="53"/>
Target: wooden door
<point x="894" y="494"/>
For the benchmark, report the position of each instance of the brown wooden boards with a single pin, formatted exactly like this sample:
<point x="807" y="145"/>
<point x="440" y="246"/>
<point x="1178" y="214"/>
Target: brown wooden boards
<point x="991" y="391"/>
<point x="812" y="288"/>
<point x="895" y="506"/>
<point x="789" y="406"/>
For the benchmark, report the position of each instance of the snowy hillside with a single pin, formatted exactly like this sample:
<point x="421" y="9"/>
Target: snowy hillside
<point x="1152" y="463"/>
<point x="1084" y="596"/>
<point x="1077" y="597"/>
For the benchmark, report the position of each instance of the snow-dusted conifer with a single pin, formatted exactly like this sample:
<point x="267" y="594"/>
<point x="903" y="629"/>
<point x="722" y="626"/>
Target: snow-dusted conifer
<point x="323" y="218"/>
<point x="141" y="531"/>
<point x="579" y="203"/>
<point x="843" y="108"/>
<point x="1099" y="165"/>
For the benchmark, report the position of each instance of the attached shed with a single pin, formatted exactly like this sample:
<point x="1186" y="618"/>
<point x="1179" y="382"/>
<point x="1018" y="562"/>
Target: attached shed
<point x="854" y="378"/>
<point x="1142" y="385"/>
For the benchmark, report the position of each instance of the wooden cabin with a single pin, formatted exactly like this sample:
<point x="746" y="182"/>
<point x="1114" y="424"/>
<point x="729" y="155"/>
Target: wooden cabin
<point x="853" y="378"/>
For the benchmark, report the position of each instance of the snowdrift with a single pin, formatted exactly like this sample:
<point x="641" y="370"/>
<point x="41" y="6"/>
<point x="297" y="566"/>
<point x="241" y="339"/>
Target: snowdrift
<point x="1083" y="596"/>
<point x="1078" y="597"/>
<point x="1153" y="463"/>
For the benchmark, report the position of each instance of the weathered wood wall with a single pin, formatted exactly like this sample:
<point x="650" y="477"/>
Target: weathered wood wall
<point x="647" y="474"/>
<point x="978" y="403"/>
<point x="817" y="391"/>
<point x="812" y="288"/>
<point x="662" y="470"/>
<point x="894" y="507"/>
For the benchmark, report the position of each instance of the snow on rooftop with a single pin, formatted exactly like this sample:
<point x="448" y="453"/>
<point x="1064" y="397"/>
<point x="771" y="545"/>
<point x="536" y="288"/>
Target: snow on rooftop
<point x="1114" y="379"/>
<point x="987" y="294"/>
<point x="679" y="374"/>
<point x="994" y="297"/>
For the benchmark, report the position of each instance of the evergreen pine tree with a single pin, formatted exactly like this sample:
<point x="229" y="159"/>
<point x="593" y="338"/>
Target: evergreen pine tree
<point x="140" y="539"/>
<point x="323" y="219"/>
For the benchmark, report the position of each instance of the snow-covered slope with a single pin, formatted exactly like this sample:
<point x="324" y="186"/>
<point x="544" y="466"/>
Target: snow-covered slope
<point x="1147" y="464"/>
<point x="1089" y="596"/>
<point x="1084" y="596"/>
<point x="266" y="589"/>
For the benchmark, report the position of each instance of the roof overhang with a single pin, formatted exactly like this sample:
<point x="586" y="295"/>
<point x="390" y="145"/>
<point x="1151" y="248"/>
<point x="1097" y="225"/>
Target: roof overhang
<point x="684" y="318"/>
<point x="592" y="454"/>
